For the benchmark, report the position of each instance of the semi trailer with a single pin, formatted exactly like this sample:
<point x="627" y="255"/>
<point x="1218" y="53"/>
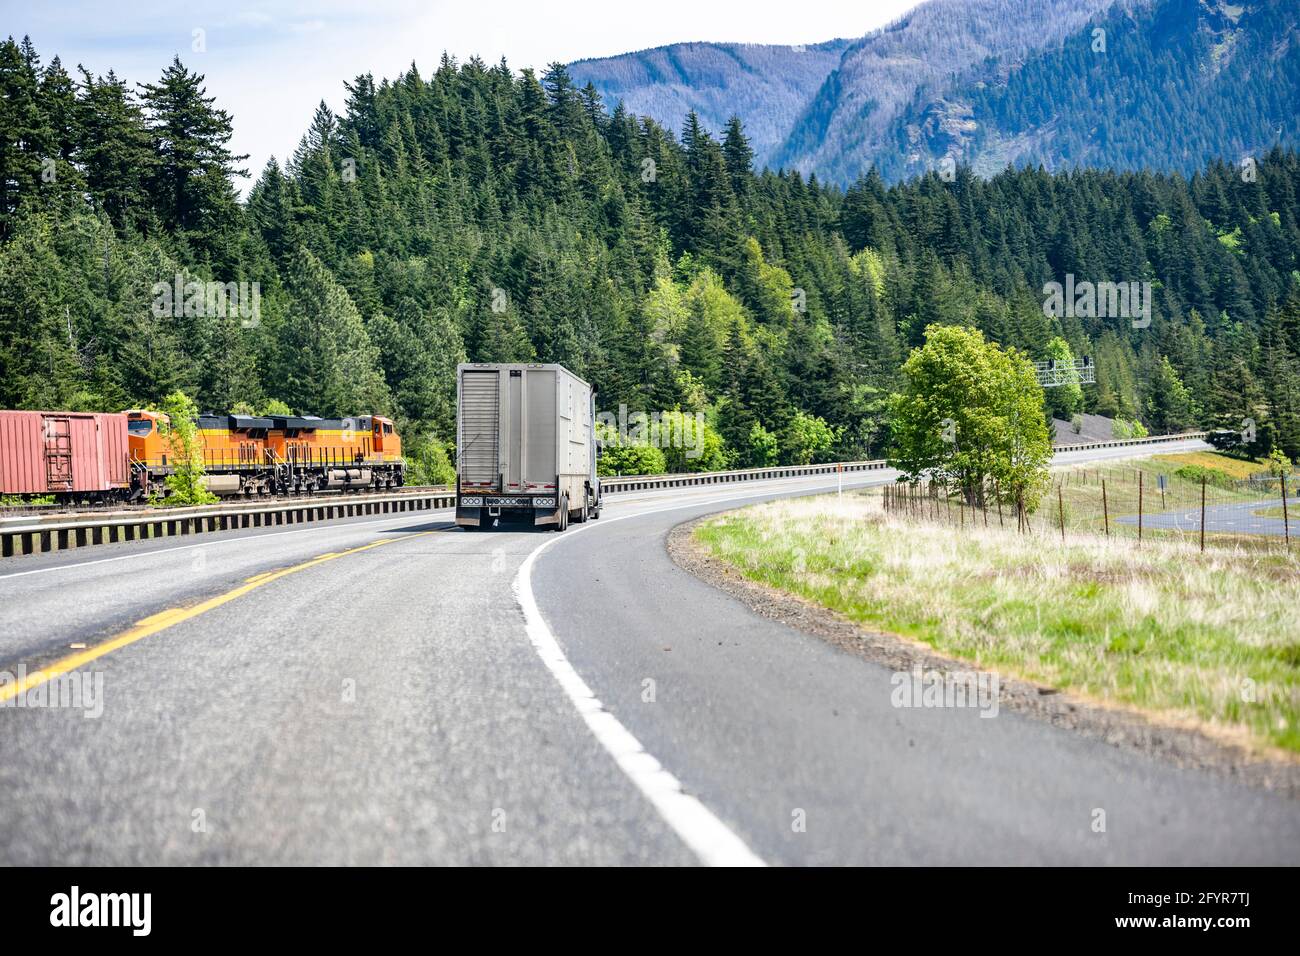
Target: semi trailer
<point x="525" y="446"/>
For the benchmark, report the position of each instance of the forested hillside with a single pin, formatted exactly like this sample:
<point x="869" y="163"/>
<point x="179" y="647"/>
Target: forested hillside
<point x="1170" y="85"/>
<point x="486" y="214"/>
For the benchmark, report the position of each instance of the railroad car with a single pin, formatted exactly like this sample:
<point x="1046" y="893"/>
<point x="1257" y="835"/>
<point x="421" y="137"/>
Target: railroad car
<point x="73" y="456"/>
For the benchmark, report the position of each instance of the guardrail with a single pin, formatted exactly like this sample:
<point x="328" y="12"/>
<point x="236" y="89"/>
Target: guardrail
<point x="90" y="510"/>
<point x="1122" y="442"/>
<point x="27" y="535"/>
<point x="646" y="482"/>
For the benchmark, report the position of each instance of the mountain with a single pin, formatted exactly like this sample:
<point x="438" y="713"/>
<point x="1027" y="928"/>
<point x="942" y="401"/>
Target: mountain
<point x="1168" y="86"/>
<point x="480" y="214"/>
<point x="1120" y="84"/>
<point x="853" y="120"/>
<point x="767" y="86"/>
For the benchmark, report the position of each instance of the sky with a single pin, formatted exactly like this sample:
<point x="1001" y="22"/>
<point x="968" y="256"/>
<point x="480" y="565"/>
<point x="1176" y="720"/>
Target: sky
<point x="269" y="64"/>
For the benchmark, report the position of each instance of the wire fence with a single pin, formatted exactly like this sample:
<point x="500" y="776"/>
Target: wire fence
<point x="1142" y="502"/>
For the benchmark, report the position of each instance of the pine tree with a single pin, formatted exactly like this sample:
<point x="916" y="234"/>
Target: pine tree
<point x="191" y="181"/>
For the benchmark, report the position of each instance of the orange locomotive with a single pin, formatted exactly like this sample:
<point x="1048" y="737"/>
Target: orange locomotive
<point x="275" y="454"/>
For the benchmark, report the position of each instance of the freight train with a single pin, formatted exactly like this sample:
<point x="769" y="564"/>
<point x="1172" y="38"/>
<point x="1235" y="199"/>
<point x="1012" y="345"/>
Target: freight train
<point x="90" y="456"/>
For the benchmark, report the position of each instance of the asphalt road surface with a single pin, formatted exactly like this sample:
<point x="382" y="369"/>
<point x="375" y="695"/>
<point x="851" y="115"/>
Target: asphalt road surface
<point x="1236" y="518"/>
<point x="395" y="690"/>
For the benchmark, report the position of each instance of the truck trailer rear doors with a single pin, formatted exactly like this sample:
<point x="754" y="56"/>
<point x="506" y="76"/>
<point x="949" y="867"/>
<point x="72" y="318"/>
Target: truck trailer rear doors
<point x="480" y="416"/>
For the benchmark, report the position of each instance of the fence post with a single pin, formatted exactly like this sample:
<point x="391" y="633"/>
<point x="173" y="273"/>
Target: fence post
<point x="1139" y="509"/>
<point x="1286" y="521"/>
<point x="1202" y="512"/>
<point x="1060" y="510"/>
<point x="1105" y="507"/>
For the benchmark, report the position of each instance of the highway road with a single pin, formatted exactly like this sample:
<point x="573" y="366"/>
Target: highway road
<point x="395" y="690"/>
<point x="1235" y="518"/>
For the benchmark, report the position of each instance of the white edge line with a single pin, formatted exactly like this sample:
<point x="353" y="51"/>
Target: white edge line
<point x="706" y="835"/>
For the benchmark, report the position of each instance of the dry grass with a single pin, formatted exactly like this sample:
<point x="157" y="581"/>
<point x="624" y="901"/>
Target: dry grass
<point x="1212" y="637"/>
<point x="1232" y="467"/>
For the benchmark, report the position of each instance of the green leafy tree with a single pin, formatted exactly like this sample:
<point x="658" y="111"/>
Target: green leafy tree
<point x="185" y="484"/>
<point x="428" y="460"/>
<point x="690" y="443"/>
<point x="1063" y="400"/>
<point x="764" y="448"/>
<point x="1279" y="465"/>
<point x="621" y="455"/>
<point x="970" y="413"/>
<point x="808" y="439"/>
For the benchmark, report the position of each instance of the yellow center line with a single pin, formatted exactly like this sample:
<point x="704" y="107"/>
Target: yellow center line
<point x="172" y="616"/>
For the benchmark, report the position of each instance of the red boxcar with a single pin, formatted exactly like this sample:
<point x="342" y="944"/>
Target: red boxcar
<point x="63" y="453"/>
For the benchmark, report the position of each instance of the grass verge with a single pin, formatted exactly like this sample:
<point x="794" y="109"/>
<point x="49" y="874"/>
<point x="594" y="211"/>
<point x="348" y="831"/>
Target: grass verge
<point x="1212" y="638"/>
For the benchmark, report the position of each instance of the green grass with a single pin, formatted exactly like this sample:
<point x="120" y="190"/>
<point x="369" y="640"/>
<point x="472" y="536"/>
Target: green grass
<point x="1292" y="514"/>
<point x="18" y="501"/>
<point x="1228" y="465"/>
<point x="1085" y="508"/>
<point x="1163" y="628"/>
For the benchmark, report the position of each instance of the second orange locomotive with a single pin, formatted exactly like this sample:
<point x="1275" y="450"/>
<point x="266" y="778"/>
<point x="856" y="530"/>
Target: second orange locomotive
<point x="275" y="454"/>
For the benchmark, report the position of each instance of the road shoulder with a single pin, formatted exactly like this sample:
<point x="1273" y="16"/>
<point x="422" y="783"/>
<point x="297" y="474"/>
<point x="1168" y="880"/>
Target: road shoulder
<point x="1184" y="745"/>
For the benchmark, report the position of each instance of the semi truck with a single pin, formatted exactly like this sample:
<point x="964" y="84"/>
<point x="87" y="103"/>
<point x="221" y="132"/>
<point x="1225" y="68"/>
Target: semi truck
<point x="525" y="446"/>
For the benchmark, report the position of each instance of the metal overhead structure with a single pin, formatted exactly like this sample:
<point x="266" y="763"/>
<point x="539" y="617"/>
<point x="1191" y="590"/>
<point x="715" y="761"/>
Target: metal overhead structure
<point x="1053" y="373"/>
